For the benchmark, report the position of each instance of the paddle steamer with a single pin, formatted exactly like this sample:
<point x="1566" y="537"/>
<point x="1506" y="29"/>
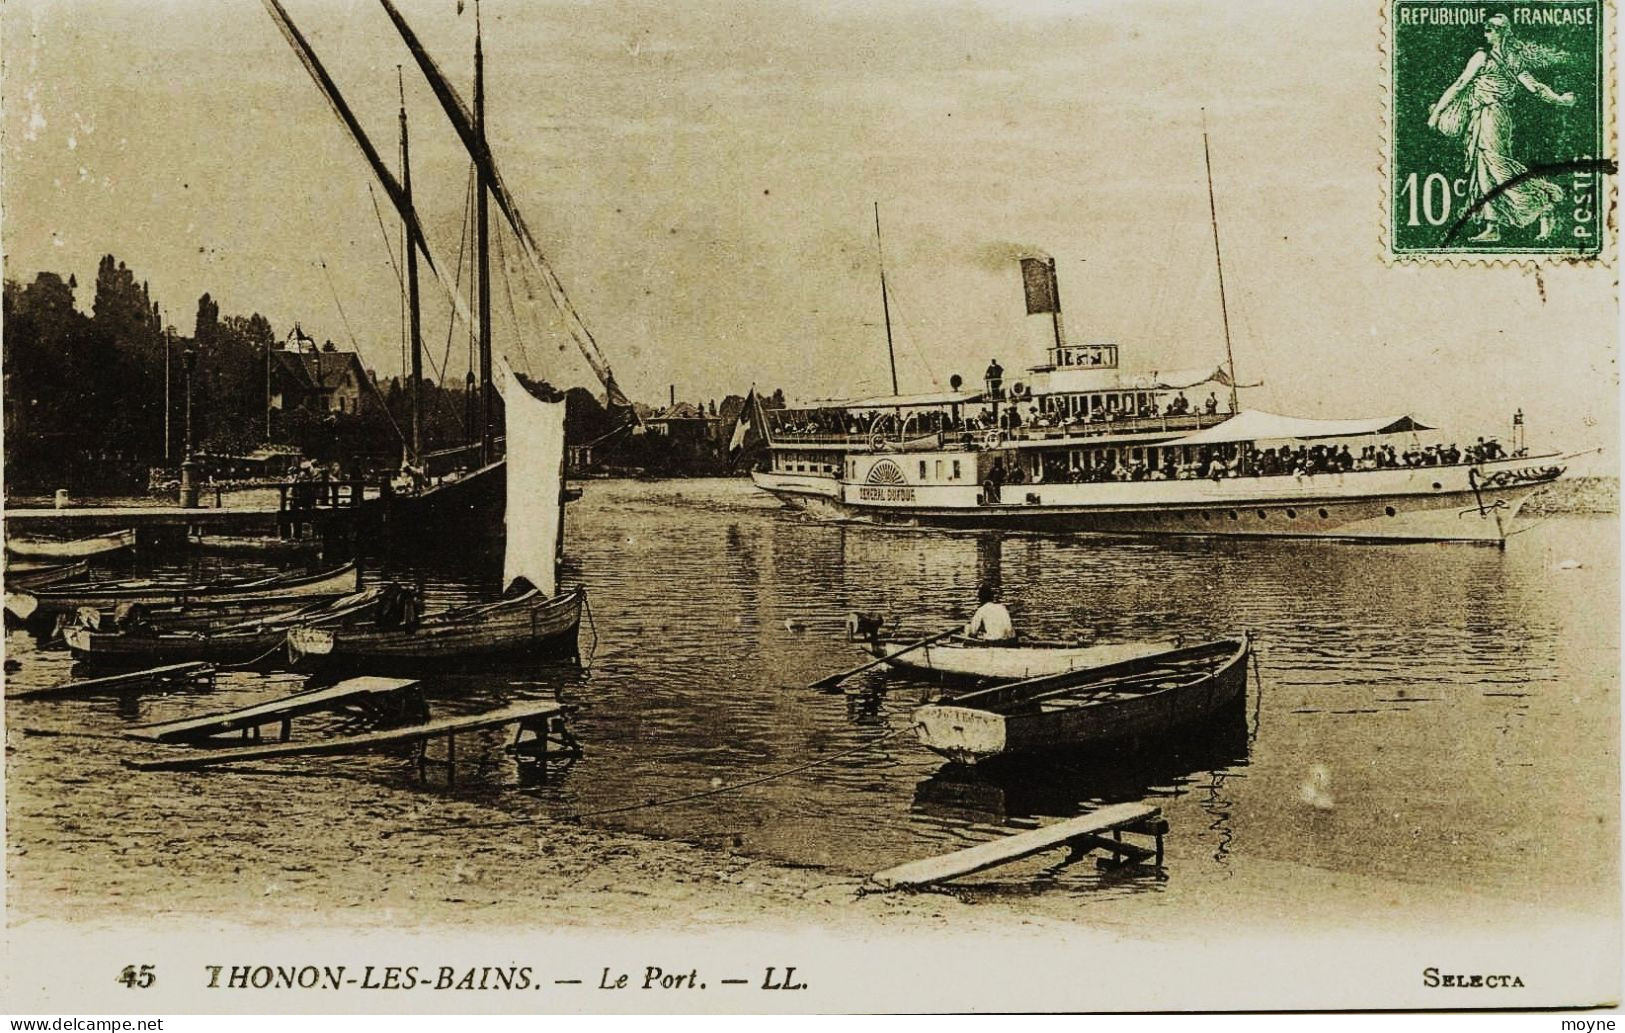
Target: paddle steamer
<point x="1080" y="445"/>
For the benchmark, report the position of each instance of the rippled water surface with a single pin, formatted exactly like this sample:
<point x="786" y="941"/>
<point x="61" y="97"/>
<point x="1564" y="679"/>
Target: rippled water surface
<point x="1429" y="713"/>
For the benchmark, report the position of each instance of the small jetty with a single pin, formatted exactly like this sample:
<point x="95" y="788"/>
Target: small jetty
<point x="378" y="698"/>
<point x="540" y="726"/>
<point x="1083" y="834"/>
<point x="320" y="510"/>
<point x="196" y="674"/>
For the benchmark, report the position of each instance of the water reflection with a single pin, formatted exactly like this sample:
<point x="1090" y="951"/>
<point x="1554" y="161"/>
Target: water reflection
<point x="1022" y="788"/>
<point x="714" y="610"/>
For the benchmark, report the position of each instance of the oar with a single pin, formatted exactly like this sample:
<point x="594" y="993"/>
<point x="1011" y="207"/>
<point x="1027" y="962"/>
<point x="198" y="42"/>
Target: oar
<point x="836" y="679"/>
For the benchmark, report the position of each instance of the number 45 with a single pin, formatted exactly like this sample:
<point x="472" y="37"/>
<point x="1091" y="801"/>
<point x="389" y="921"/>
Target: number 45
<point x="134" y="978"/>
<point x="1434" y="202"/>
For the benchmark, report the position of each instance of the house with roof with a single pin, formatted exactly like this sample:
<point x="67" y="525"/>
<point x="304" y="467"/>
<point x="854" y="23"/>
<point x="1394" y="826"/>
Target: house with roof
<point x="320" y="380"/>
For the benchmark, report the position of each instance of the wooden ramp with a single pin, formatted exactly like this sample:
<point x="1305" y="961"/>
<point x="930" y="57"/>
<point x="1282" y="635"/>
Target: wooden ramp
<point x="1083" y="831"/>
<point x="250" y="719"/>
<point x="170" y="676"/>
<point x="538" y="718"/>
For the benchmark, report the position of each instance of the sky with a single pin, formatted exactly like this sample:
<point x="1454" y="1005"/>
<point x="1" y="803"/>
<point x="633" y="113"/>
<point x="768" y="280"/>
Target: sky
<point x="703" y="175"/>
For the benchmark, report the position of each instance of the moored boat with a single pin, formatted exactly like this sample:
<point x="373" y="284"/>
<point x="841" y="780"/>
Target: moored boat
<point x="29" y="575"/>
<point x="1146" y="696"/>
<point x="535" y="618"/>
<point x="49" y="603"/>
<point x="530" y="625"/>
<point x="962" y="657"/>
<point x="137" y="640"/>
<point x="258" y="545"/>
<point x="79" y="548"/>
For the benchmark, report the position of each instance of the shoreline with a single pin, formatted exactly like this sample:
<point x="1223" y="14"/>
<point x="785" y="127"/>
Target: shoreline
<point x="497" y="878"/>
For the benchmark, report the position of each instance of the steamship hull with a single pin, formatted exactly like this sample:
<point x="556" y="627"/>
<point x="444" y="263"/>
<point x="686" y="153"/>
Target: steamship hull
<point x="1455" y="504"/>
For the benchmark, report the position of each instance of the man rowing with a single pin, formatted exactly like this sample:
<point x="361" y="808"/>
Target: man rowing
<point x="991" y="622"/>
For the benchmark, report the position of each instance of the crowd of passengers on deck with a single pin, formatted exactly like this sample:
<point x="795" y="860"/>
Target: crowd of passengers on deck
<point x="816" y="422"/>
<point x="1305" y="460"/>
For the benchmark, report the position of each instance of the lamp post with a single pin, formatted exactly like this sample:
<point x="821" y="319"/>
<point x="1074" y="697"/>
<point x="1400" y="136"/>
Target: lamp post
<point x="189" y="485"/>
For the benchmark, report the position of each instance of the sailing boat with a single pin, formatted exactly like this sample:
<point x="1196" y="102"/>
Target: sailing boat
<point x="473" y="494"/>
<point x="533" y="618"/>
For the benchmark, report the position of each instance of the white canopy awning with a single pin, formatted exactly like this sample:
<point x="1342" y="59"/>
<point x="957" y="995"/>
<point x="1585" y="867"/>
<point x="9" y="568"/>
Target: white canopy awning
<point x="1257" y="425"/>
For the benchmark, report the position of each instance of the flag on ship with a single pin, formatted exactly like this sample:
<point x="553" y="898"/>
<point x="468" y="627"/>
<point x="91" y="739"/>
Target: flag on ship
<point x="747" y="432"/>
<point x="1038" y="277"/>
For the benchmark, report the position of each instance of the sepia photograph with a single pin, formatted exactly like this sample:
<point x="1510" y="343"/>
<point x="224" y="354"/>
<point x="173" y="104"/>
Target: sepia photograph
<point x="915" y="506"/>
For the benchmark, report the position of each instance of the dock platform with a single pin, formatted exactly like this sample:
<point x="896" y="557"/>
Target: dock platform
<point x="1083" y="833"/>
<point x="372" y="695"/>
<point x="169" y="676"/>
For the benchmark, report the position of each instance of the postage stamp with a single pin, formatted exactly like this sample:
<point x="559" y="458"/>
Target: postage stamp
<point x="1497" y="138"/>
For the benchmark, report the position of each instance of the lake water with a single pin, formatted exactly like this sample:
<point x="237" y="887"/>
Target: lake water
<point x="1431" y="714"/>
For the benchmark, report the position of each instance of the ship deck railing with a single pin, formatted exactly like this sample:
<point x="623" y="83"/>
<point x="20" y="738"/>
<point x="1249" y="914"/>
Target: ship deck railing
<point x="1076" y="430"/>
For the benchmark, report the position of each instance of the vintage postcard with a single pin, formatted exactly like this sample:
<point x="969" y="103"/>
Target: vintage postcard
<point x="1016" y="505"/>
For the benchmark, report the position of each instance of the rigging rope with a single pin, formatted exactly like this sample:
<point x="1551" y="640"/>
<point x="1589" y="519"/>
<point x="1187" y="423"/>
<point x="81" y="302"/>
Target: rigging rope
<point x="340" y="305"/>
<point x="389" y="245"/>
<point x="507" y="288"/>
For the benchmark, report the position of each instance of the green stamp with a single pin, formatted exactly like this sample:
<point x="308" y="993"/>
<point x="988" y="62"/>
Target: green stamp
<point x="1497" y="139"/>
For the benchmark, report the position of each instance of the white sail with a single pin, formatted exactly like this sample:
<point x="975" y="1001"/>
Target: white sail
<point x="535" y="514"/>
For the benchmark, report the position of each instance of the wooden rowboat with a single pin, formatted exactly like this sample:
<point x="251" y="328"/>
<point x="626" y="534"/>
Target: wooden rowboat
<point x="526" y="625"/>
<point x="258" y="545"/>
<point x="27" y="576"/>
<point x="961" y="657"/>
<point x="1149" y="695"/>
<point x="46" y="604"/>
<point x="140" y="641"/>
<point x="77" y="549"/>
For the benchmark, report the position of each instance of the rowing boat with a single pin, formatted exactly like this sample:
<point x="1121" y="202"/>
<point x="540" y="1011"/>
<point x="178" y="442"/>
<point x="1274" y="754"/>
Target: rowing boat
<point x="35" y="606"/>
<point x="532" y="624"/>
<point x="77" y="549"/>
<point x="962" y="657"/>
<point x="137" y="640"/>
<point x="29" y="575"/>
<point x="1148" y="695"/>
<point x="252" y="544"/>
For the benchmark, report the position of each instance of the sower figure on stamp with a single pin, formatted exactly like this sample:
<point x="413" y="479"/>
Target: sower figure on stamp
<point x="1477" y="107"/>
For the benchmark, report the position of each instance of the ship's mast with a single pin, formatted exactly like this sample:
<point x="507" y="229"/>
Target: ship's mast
<point x="482" y="244"/>
<point x="414" y="319"/>
<point x="885" y="303"/>
<point x="1218" y="258"/>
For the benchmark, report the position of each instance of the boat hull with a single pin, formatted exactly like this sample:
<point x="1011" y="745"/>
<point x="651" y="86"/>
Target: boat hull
<point x="46" y="605"/>
<point x="122" y="650"/>
<point x="1458" y="504"/>
<point x="545" y="628"/>
<point x="966" y="659"/>
<point x="972" y="735"/>
<point x="24" y="578"/>
<point x="82" y="548"/>
<point x="259" y="637"/>
<point x="810" y="493"/>
<point x="472" y="506"/>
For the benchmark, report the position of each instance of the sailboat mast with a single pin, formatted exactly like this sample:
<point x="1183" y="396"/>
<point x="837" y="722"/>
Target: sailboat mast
<point x="1218" y="258"/>
<point x="482" y="244"/>
<point x="414" y="319"/>
<point x="885" y="303"/>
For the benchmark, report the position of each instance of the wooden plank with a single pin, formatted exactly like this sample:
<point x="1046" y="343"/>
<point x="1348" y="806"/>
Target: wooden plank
<point x="355" y="743"/>
<point x="280" y="708"/>
<point x="1023" y="844"/>
<point x="122" y="682"/>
